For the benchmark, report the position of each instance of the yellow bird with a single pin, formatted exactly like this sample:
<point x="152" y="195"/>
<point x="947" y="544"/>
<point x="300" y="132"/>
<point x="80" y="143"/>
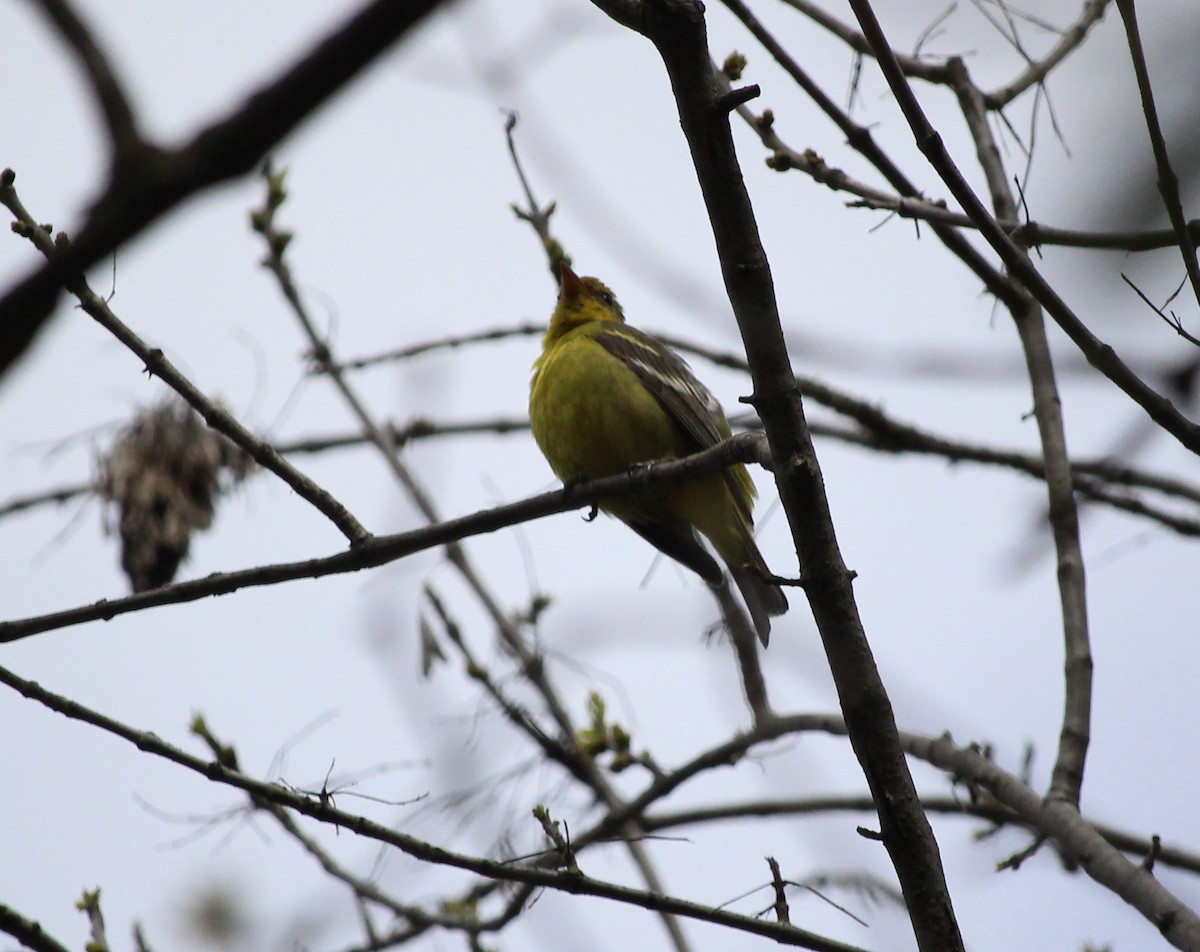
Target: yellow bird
<point x="605" y="397"/>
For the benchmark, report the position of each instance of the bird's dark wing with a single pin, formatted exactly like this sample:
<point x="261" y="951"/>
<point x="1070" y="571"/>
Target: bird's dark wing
<point x="665" y="375"/>
<point x="687" y="401"/>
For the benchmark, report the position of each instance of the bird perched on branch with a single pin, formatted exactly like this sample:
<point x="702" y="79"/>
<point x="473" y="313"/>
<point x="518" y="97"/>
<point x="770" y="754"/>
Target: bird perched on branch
<point x="606" y="397"/>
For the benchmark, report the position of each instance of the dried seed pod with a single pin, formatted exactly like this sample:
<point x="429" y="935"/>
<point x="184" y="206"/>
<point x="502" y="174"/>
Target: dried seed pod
<point x="165" y="473"/>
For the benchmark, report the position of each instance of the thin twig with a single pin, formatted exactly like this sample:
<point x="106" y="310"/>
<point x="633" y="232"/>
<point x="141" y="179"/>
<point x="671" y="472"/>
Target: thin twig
<point x="156" y="364"/>
<point x="745" y="649"/>
<point x="534" y="669"/>
<point x="1168" y="182"/>
<point x="860" y="139"/>
<point x="913" y="66"/>
<point x="989" y="810"/>
<point x="445" y="343"/>
<point x="536" y="215"/>
<point x="1028" y="234"/>
<point x="322" y="809"/>
<point x="1099" y="355"/>
<point x="1171" y="320"/>
<point x="36" y="500"/>
<point x="1070" y="40"/>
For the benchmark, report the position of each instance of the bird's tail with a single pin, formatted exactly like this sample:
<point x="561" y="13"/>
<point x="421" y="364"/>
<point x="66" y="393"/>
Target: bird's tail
<point x="764" y="599"/>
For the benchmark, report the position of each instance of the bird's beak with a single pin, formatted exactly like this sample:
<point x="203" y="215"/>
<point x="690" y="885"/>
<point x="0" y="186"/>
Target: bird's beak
<point x="570" y="288"/>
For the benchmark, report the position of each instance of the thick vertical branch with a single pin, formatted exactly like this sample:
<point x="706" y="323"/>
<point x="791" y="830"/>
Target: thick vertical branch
<point x="676" y="27"/>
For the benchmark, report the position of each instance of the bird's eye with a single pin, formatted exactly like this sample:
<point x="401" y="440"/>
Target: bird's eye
<point x="606" y="298"/>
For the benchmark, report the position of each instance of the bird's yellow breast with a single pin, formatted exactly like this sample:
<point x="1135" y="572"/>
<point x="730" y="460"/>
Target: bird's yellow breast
<point x="590" y="414"/>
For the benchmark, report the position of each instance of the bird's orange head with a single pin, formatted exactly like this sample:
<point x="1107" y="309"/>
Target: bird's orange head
<point x="581" y="301"/>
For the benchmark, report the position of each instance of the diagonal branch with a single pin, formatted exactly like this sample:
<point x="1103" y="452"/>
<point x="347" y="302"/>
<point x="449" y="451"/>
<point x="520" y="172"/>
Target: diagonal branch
<point x="28" y="932"/>
<point x="156" y="364"/>
<point x="862" y="141"/>
<point x="379" y="550"/>
<point x="1103" y="862"/>
<point x="152" y="180"/>
<point x="1099" y="354"/>
<point x="912" y="65"/>
<point x="1071" y="39"/>
<point x="1168" y="182"/>
<point x="953" y="806"/>
<point x="322" y="809"/>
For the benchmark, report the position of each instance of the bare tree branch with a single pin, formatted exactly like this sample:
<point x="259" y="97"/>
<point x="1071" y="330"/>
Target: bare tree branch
<point x="677" y="31"/>
<point x="913" y="66"/>
<point x="1067" y="779"/>
<point x="321" y="808"/>
<point x="152" y="180"/>
<point x="379" y="550"/>
<point x="1072" y="38"/>
<point x="29" y="933"/>
<point x="860" y="139"/>
<point x="993" y="812"/>
<point x="120" y="123"/>
<point x="155" y="363"/>
<point x="446" y="343"/>
<point x="1099" y="355"/>
<point x="1168" y="182"/>
<point x="1177" y="923"/>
